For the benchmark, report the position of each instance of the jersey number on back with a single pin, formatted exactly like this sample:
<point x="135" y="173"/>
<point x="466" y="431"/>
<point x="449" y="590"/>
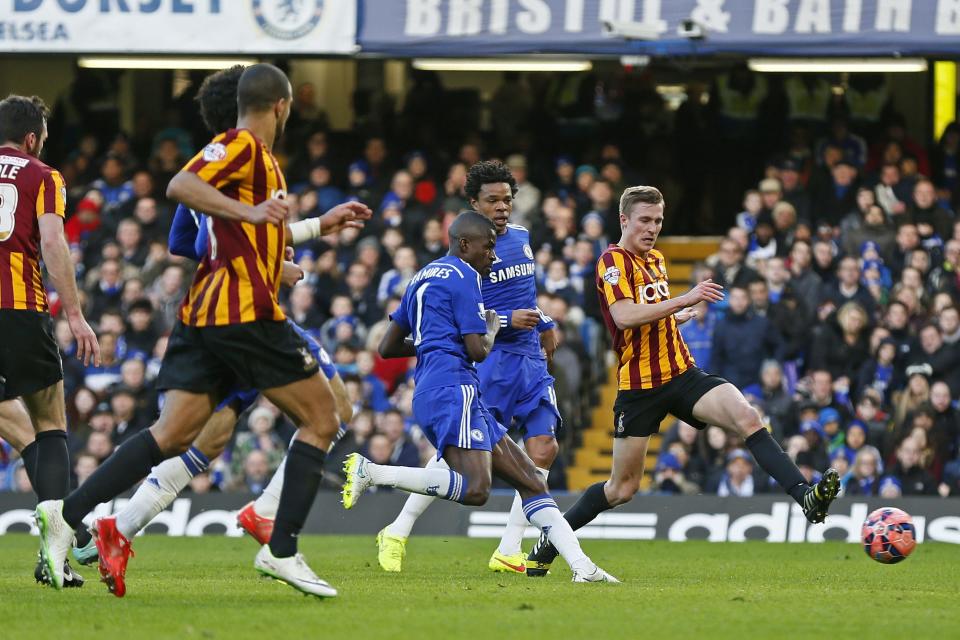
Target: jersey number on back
<point x="8" y="207"/>
<point x="418" y="338"/>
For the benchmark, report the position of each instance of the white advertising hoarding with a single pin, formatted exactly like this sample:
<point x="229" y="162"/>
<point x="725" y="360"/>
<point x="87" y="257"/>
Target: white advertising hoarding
<point x="179" y="26"/>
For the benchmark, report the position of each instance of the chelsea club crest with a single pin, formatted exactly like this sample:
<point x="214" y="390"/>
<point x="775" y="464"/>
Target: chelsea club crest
<point x="287" y="19"/>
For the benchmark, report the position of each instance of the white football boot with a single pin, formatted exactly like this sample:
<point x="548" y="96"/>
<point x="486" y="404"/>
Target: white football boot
<point x="293" y="571"/>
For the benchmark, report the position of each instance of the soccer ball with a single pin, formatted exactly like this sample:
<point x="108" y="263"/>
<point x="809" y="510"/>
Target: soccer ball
<point x="888" y="535"/>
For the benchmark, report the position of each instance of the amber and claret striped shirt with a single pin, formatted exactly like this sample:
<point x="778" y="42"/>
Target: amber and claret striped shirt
<point x="239" y="277"/>
<point x="654" y="353"/>
<point x="28" y="189"/>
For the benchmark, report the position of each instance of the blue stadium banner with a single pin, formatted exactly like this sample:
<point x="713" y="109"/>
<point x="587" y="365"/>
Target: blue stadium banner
<point x="179" y="26"/>
<point x="469" y="28"/>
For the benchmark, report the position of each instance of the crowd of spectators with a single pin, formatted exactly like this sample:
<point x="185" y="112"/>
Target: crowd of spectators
<point x="840" y="324"/>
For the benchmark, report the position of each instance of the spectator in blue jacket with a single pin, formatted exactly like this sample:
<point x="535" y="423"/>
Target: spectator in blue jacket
<point x="742" y="341"/>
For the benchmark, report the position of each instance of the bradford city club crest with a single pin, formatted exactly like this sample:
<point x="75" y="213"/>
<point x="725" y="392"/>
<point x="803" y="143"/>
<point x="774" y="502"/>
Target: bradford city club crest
<point x="287" y="19"/>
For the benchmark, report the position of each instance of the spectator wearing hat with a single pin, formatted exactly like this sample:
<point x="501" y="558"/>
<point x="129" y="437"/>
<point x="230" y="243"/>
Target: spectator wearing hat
<point x="565" y="184"/>
<point x="668" y="477"/>
<point x="358" y="181"/>
<point x="742" y="341"/>
<point x="794" y="191"/>
<point x="833" y="434"/>
<point x="815" y="436"/>
<point x="738" y="479"/>
<point x="838" y="196"/>
<point x="584" y="177"/>
<point x="854" y="439"/>
<point x="84" y="223"/>
<point x="913" y="479"/>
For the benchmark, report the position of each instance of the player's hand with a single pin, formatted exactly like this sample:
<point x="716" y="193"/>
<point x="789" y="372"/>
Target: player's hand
<point x="271" y="211"/>
<point x="685" y="315"/>
<point x="708" y="291"/>
<point x="349" y="215"/>
<point x="524" y="319"/>
<point x="288" y="253"/>
<point x="493" y="322"/>
<point x="549" y="341"/>
<point x="88" y="349"/>
<point x="290" y="274"/>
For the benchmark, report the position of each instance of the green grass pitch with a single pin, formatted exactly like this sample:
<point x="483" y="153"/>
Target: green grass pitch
<point x="206" y="588"/>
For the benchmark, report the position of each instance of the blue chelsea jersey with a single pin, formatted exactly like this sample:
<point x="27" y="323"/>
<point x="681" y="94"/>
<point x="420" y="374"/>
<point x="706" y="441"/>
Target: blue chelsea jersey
<point x="512" y="285"/>
<point x="442" y="304"/>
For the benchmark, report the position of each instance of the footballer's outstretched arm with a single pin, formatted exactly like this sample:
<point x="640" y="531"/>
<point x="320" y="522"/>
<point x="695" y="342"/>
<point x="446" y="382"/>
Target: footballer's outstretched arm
<point x="343" y="216"/>
<point x="630" y="315"/>
<point x="395" y="343"/>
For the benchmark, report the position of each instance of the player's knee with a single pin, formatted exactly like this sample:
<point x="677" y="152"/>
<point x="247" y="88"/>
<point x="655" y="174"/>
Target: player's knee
<point x="171" y="443"/>
<point x="747" y="419"/>
<point x="622" y="492"/>
<point x="477" y="493"/>
<point x="545" y="453"/>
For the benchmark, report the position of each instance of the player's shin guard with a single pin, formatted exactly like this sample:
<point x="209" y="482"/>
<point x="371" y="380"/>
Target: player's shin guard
<point x="446" y="484"/>
<point x="52" y="467"/>
<point x="543" y="513"/>
<point x="266" y="505"/>
<point x="159" y="490"/>
<point x="128" y="464"/>
<point x="777" y="464"/>
<point x="415" y="505"/>
<point x="301" y="480"/>
<point x="517" y="523"/>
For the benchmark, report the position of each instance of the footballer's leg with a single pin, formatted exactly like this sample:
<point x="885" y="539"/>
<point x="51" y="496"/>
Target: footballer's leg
<point x="183" y="415"/>
<point x="629" y="456"/>
<point x="726" y="407"/>
<point x="542" y="450"/>
<point x="48" y="483"/>
<point x="513" y="465"/>
<point x="310" y="403"/>
<point x="256" y="517"/>
<point x="452" y="420"/>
